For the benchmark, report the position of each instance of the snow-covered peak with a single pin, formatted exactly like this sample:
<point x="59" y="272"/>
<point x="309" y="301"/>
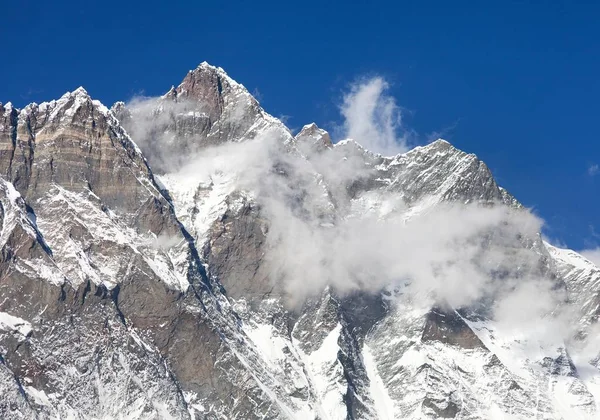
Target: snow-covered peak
<point x="354" y="147"/>
<point x="205" y="64"/>
<point x="74" y="107"/>
<point x="440" y="146"/>
<point x="313" y="138"/>
<point x="73" y="99"/>
<point x="206" y="67"/>
<point x="441" y="142"/>
<point x="312" y="130"/>
<point x="118" y="105"/>
<point x="207" y="71"/>
<point x="206" y="109"/>
<point x="582" y="278"/>
<point x="63" y="109"/>
<point x="310" y="127"/>
<point x="120" y="111"/>
<point x="439" y="156"/>
<point x="7" y="107"/>
<point x="80" y="91"/>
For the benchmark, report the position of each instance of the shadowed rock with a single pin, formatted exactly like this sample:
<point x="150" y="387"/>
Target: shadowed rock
<point x="447" y="327"/>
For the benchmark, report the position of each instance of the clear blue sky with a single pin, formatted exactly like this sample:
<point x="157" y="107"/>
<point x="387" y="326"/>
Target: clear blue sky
<point x="517" y="83"/>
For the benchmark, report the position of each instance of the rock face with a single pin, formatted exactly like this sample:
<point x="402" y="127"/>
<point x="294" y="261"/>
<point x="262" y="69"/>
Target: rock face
<point x="207" y="109"/>
<point x="312" y="139"/>
<point x="149" y="282"/>
<point x="448" y="327"/>
<point x="95" y="259"/>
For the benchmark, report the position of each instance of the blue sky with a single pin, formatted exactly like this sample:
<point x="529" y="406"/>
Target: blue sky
<point x="514" y="82"/>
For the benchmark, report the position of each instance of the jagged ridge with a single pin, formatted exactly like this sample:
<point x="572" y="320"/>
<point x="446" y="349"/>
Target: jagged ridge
<point x="102" y="260"/>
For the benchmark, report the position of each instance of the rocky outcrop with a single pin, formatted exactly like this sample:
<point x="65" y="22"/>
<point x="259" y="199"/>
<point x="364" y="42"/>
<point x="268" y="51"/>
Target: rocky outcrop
<point x="93" y="254"/>
<point x="312" y="139"/>
<point x="449" y="328"/>
<point x="206" y="109"/>
<point x="75" y="143"/>
<point x="124" y="293"/>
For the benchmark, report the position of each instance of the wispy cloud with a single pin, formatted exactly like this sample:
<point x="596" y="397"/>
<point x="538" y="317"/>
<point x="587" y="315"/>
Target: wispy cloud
<point x="257" y="94"/>
<point x="310" y="246"/>
<point x="593" y="169"/>
<point x="443" y="133"/>
<point x="286" y="119"/>
<point x="318" y="235"/>
<point x="592" y="251"/>
<point x="31" y="92"/>
<point x="372" y="117"/>
<point x="592" y="254"/>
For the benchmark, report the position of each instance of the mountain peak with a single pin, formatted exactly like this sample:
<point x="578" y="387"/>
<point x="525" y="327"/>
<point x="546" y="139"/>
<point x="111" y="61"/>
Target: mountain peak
<point x="185" y="266"/>
<point x="79" y="94"/>
<point x="317" y="138"/>
<point x="207" y="83"/>
<point x="206" y="68"/>
<point x="441" y="142"/>
<point x="6" y="108"/>
<point x="207" y="65"/>
<point x="68" y="105"/>
<point x="310" y="129"/>
<point x="438" y="146"/>
<point x="80" y="91"/>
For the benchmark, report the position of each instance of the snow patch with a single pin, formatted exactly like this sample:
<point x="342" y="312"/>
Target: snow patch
<point x="384" y="405"/>
<point x="12" y="323"/>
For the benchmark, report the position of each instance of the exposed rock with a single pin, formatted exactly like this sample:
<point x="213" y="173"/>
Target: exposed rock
<point x="448" y="327"/>
<point x="311" y="139"/>
<point x="122" y="294"/>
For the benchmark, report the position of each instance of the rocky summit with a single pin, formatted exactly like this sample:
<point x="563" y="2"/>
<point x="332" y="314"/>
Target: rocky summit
<point x="189" y="257"/>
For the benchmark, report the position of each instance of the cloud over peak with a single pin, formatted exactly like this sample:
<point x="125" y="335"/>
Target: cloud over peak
<point x="372" y="117"/>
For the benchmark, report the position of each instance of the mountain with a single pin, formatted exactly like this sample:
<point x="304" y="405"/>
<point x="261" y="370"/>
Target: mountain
<point x="187" y="256"/>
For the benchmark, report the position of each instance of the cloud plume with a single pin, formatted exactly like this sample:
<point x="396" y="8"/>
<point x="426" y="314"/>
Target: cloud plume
<point x="592" y="254"/>
<point x="372" y="117"/>
<point x="326" y="227"/>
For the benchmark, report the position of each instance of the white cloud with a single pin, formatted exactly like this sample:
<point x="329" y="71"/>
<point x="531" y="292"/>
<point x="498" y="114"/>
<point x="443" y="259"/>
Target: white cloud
<point x="153" y="129"/>
<point x="593" y="169"/>
<point x="592" y="254"/>
<point x="454" y="253"/>
<point x="372" y="117"/>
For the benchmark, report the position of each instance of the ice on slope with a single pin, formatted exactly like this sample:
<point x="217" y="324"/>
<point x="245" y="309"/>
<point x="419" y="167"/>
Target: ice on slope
<point x="13" y="213"/>
<point x="465" y="372"/>
<point x="527" y="355"/>
<point x="64" y="212"/>
<point x="200" y="199"/>
<point x="313" y="380"/>
<point x="12" y="323"/>
<point x="267" y="342"/>
<point x="325" y="374"/>
<point x="384" y="405"/>
<point x="15" y="216"/>
<point x="582" y="278"/>
<point x="199" y="202"/>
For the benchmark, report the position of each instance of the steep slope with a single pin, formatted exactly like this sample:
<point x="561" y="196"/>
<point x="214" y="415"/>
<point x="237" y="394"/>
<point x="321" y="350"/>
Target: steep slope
<point x="98" y="265"/>
<point x="583" y="281"/>
<point x="227" y="214"/>
<point x="265" y="275"/>
<point x="207" y="108"/>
